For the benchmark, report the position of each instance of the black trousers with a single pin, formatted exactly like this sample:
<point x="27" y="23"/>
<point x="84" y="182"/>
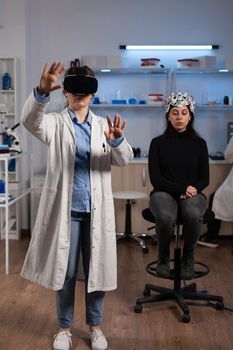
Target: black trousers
<point x="213" y="226"/>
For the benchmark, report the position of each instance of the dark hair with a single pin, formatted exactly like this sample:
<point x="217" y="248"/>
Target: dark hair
<point x="170" y="131"/>
<point x="76" y="69"/>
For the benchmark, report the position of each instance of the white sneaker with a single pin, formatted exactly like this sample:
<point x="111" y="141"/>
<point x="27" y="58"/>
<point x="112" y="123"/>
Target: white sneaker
<point x="62" y="341"/>
<point x="98" y="340"/>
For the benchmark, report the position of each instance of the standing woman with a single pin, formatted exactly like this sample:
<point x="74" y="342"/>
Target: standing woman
<point x="76" y="210"/>
<point x="179" y="171"/>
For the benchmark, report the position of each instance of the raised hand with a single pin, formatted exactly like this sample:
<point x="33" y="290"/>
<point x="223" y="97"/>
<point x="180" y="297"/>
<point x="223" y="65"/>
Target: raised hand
<point x="49" y="77"/>
<point x="115" y="129"/>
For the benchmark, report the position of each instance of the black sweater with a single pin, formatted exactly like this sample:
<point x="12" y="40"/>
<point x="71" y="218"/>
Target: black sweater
<point x="177" y="162"/>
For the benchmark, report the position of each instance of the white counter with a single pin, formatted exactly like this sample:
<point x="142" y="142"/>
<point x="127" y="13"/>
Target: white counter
<point x="144" y="160"/>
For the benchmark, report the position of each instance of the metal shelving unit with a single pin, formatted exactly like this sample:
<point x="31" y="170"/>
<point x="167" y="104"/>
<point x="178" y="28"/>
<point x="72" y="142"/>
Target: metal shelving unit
<point x="9" y="198"/>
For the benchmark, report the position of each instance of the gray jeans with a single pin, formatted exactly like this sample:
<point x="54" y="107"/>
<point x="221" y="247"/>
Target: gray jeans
<point x="164" y="207"/>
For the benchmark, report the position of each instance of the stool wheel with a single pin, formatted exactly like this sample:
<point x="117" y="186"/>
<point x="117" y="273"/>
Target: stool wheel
<point x="186" y="318"/>
<point x="145" y="250"/>
<point x="137" y="309"/>
<point x="219" y="305"/>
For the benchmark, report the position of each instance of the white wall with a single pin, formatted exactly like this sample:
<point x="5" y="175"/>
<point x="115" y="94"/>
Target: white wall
<point x="2" y="13"/>
<point x="44" y="30"/>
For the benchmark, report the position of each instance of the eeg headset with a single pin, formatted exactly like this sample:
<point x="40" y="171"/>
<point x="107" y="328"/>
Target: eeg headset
<point x="80" y="84"/>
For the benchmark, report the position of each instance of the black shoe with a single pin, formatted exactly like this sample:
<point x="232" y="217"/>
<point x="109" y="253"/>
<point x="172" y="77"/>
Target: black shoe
<point x="207" y="241"/>
<point x="163" y="269"/>
<point x="187" y="266"/>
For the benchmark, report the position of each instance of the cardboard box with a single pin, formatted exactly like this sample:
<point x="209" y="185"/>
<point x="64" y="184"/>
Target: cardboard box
<point x="229" y="63"/>
<point x="117" y="61"/>
<point x="208" y="62"/>
<point x="94" y="62"/>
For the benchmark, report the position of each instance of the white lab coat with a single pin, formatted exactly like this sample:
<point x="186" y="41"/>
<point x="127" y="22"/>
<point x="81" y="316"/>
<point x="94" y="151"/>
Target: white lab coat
<point x="223" y="198"/>
<point x="47" y="257"/>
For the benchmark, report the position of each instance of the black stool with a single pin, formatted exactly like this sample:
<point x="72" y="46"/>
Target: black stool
<point x="177" y="293"/>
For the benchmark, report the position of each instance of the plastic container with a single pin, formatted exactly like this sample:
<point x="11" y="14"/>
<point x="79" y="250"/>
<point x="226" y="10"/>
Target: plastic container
<point x="2" y="186"/>
<point x="150" y="62"/>
<point x="6" y="81"/>
<point x="119" y="102"/>
<point x="155" y="99"/>
<point x="188" y="63"/>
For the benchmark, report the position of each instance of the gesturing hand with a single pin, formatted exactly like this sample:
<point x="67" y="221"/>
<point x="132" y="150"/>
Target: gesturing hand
<point x="49" y="77"/>
<point x="115" y="130"/>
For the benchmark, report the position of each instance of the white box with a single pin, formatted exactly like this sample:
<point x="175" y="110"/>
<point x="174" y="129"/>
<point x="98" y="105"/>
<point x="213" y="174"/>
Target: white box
<point x="93" y="61"/>
<point x="117" y="61"/>
<point x="229" y="62"/>
<point x="208" y="62"/>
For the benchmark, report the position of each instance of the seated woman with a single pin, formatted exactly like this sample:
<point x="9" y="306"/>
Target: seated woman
<point x="179" y="171"/>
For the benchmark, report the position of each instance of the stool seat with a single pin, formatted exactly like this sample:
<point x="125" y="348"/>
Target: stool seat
<point x="130" y="196"/>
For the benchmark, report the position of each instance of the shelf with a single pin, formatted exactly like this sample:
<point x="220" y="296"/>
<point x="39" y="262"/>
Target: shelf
<point x="139" y="70"/>
<point x="216" y="107"/>
<point x="149" y="70"/>
<point x="201" y="71"/>
<point x="11" y="91"/>
<point x="11" y="157"/>
<point x="115" y="105"/>
<point x="15" y="196"/>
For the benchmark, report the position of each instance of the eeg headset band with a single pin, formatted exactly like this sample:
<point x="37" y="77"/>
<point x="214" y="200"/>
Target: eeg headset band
<point x="80" y="84"/>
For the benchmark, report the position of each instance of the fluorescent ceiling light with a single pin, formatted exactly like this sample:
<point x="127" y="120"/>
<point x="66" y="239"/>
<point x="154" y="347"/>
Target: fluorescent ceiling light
<point x="168" y="47"/>
<point x="105" y="70"/>
<point x="223" y="70"/>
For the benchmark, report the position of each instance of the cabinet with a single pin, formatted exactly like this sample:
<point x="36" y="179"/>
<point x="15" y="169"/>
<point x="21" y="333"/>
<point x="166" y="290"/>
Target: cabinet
<point x="125" y="83"/>
<point x="9" y="198"/>
<point x="208" y="86"/>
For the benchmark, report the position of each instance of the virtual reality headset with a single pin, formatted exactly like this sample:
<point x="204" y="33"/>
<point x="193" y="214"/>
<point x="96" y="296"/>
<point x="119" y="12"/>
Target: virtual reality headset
<point x="80" y="84"/>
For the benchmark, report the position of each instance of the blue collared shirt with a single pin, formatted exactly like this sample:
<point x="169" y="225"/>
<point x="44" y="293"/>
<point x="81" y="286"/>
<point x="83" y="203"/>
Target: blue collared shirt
<point x="81" y="198"/>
